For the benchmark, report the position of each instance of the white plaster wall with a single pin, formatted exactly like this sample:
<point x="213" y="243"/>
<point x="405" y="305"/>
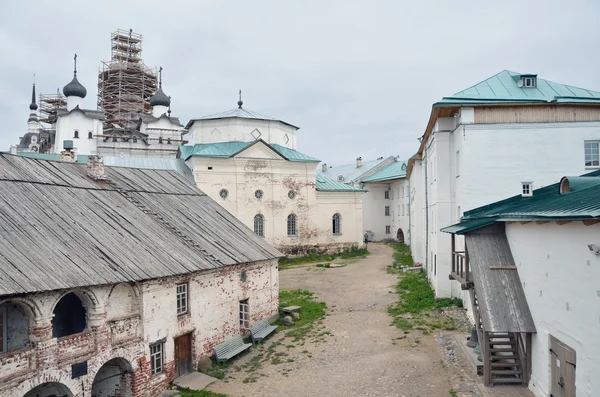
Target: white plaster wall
<point x="400" y="199"/>
<point x="556" y="269"/>
<point x="349" y="206"/>
<point x="239" y="129"/>
<point x="77" y="120"/>
<point x="374" y="203"/>
<point x="417" y="212"/>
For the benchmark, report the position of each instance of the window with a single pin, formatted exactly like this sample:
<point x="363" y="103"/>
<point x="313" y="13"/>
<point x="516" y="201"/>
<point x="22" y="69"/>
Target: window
<point x="244" y="314"/>
<point x="76" y="134"/>
<point x="224" y="193"/>
<point x="259" y="225"/>
<point x="528" y="81"/>
<point x="258" y="194"/>
<point x="526" y="188"/>
<point x="160" y="140"/>
<point x="388" y="229"/>
<point x="134" y="139"/>
<point x="434" y="265"/>
<point x="291" y="194"/>
<point x="168" y="141"/>
<point x="291" y="224"/>
<point x="114" y="139"/>
<point x="457" y="165"/>
<point x="387" y="194"/>
<point x="90" y="135"/>
<point x="592" y="153"/>
<point x="340" y="178"/>
<point x="182" y="299"/>
<point x="69" y="316"/>
<point x="2" y="329"/>
<point x="156" y="357"/>
<point x="402" y="209"/>
<point x="387" y="210"/>
<point x="336" y="225"/>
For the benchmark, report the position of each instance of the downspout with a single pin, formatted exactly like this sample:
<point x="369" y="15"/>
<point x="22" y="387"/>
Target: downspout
<point x="409" y="208"/>
<point x="426" y="214"/>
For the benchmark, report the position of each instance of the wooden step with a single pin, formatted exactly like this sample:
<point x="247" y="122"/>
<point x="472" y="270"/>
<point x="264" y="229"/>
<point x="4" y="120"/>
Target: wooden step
<point x="497" y="358"/>
<point x="504" y="365"/>
<point x="500" y="381"/>
<point x="502" y="349"/>
<point x="506" y="372"/>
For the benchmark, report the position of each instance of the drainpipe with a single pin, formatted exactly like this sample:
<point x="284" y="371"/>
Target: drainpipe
<point x="409" y="208"/>
<point x="426" y="214"/>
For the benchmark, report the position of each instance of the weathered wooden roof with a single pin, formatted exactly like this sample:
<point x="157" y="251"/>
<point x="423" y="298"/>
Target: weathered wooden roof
<point x="60" y="229"/>
<point x="502" y="303"/>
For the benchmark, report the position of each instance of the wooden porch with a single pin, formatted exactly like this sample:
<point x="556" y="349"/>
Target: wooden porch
<point x="461" y="271"/>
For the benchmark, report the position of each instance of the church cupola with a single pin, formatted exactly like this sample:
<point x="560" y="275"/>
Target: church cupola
<point x="74" y="91"/>
<point x="160" y="102"/>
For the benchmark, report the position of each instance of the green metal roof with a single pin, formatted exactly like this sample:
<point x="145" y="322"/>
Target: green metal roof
<point x="230" y="149"/>
<point x="580" y="203"/>
<point x="350" y="172"/>
<point x="392" y="171"/>
<point x="325" y="184"/>
<point x="503" y="88"/>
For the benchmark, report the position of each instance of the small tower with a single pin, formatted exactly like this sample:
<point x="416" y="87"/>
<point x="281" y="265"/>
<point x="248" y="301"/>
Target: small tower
<point x="160" y="101"/>
<point x="33" y="124"/>
<point x="74" y="91"/>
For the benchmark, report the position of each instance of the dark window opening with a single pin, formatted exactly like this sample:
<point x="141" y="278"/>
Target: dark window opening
<point x="114" y="139"/>
<point x="134" y="139"/>
<point x="90" y="135"/>
<point x="76" y="134"/>
<point x="69" y="316"/>
<point x="336" y="224"/>
<point x="160" y="140"/>
<point x="209" y="168"/>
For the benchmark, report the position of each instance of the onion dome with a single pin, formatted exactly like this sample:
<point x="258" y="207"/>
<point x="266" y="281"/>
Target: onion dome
<point x="74" y="88"/>
<point x="160" y="98"/>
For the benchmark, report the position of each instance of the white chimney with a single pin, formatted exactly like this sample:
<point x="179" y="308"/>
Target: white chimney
<point x="68" y="155"/>
<point x="13" y="149"/>
<point x="359" y="162"/>
<point x="324" y="167"/>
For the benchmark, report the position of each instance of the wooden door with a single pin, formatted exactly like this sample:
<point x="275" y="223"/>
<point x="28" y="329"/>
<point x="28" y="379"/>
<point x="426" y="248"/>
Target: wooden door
<point x="183" y="355"/>
<point x="562" y="374"/>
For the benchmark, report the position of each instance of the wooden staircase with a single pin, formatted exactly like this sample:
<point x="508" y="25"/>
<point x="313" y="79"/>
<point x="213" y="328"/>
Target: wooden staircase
<point x="504" y="359"/>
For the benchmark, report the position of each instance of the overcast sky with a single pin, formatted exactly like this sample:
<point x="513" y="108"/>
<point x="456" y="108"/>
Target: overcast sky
<point x="357" y="77"/>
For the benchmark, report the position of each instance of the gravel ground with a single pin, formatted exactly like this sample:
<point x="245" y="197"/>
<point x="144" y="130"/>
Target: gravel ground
<point x="355" y="351"/>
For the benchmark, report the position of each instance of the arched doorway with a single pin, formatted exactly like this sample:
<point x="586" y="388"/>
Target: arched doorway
<point x="114" y="378"/>
<point x="50" y="389"/>
<point x="69" y="316"/>
<point x="400" y="236"/>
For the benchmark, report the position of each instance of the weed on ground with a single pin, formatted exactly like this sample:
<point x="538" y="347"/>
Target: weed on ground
<point x="310" y="313"/>
<point x="417" y="308"/>
<point x="289" y="262"/>
<point x="402" y="258"/>
<point x="185" y="392"/>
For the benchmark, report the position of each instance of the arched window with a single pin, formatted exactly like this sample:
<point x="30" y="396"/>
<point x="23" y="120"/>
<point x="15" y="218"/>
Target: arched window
<point x="336" y="226"/>
<point x="14" y="326"/>
<point x="90" y="135"/>
<point x="69" y="316"/>
<point x="291" y="224"/>
<point x="76" y="134"/>
<point x="259" y="225"/>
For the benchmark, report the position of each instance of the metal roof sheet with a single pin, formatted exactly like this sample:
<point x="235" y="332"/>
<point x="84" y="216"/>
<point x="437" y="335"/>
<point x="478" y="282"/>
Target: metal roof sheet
<point x="547" y="203"/>
<point x="350" y="172"/>
<point x="325" y="184"/>
<point x="504" y="88"/>
<point x="230" y="149"/>
<point x="168" y="226"/>
<point x="395" y="170"/>
<point x="237" y="113"/>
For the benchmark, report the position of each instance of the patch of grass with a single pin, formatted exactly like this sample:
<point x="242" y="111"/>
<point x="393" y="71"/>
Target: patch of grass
<point x="186" y="392"/>
<point x="402" y="258"/>
<point x="453" y="393"/>
<point x="326" y="265"/>
<point x="310" y="313"/>
<point x="352" y="252"/>
<point x="218" y="371"/>
<point x="417" y="306"/>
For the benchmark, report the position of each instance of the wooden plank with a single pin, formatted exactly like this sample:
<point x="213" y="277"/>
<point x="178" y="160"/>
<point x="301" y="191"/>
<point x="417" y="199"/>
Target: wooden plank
<point x="562" y="222"/>
<point x="503" y="268"/>
<point x="541" y="222"/>
<point x="591" y="222"/>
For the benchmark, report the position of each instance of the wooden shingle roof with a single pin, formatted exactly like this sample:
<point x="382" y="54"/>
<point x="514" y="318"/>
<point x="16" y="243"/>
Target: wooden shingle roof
<point x="60" y="229"/>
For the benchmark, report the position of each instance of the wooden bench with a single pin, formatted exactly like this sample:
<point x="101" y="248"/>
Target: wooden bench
<point x="261" y="329"/>
<point x="230" y="348"/>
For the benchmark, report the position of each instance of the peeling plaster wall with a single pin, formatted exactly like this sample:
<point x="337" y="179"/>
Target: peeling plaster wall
<point x="123" y="320"/>
<point x="17" y="325"/>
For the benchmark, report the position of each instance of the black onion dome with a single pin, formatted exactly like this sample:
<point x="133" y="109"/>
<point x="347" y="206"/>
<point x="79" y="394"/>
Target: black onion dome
<point x="160" y="98"/>
<point x="74" y="88"/>
<point x="33" y="106"/>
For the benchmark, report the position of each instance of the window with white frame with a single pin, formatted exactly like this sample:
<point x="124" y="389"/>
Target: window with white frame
<point x="387" y="194"/>
<point x="291" y="225"/>
<point x="336" y="221"/>
<point x="244" y="314"/>
<point x="3" y="330"/>
<point x="156" y="357"/>
<point x="182" y="299"/>
<point x="259" y="225"/>
<point x="528" y="81"/>
<point x="388" y="229"/>
<point x="527" y="188"/>
<point x="592" y="153"/>
<point x="387" y="210"/>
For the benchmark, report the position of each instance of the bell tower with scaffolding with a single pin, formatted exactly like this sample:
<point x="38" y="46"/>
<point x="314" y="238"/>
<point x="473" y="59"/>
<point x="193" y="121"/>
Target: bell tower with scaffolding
<point x="125" y="83"/>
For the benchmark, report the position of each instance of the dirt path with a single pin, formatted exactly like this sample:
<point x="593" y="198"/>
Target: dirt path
<point x="357" y="352"/>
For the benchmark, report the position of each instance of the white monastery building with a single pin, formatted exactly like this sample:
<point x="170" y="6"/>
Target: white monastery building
<point x="510" y="134"/>
<point x="249" y="164"/>
<point x="385" y="204"/>
<point x="533" y="262"/>
<point x="115" y="281"/>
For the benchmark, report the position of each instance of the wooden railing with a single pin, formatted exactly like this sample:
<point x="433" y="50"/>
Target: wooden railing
<point x="460" y="267"/>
